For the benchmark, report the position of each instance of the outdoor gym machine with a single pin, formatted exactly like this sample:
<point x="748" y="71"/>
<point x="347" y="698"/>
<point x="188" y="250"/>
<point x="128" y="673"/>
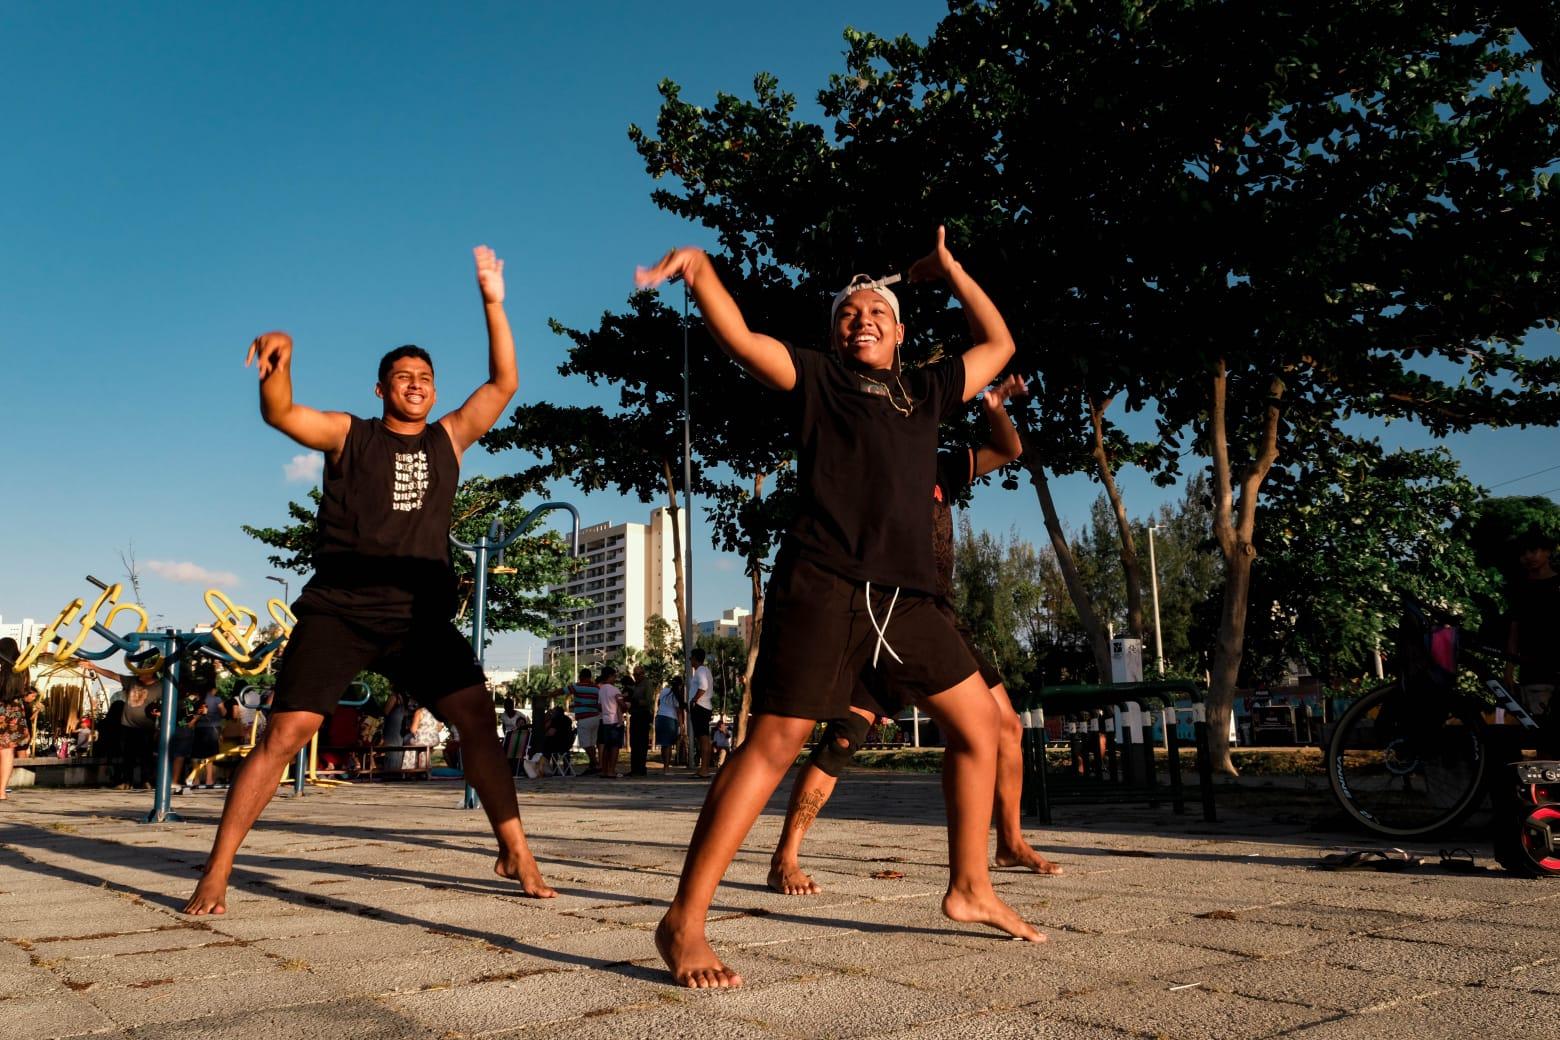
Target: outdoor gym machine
<point x="233" y="641"/>
<point x="496" y="541"/>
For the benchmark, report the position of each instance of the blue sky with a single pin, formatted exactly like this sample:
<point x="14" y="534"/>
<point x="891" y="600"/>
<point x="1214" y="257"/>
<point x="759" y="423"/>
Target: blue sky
<point x="181" y="177"/>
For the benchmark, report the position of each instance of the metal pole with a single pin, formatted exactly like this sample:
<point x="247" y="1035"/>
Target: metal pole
<point x="1153" y="575"/>
<point x="162" y="801"/>
<point x="469" y="799"/>
<point x="687" y="531"/>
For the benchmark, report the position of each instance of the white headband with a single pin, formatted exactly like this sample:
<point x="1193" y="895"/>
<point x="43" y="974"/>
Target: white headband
<point x="863" y="283"/>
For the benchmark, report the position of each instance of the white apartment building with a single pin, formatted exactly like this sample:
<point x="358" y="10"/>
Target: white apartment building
<point x="24" y="634"/>
<point x="628" y="577"/>
<point x="734" y="621"/>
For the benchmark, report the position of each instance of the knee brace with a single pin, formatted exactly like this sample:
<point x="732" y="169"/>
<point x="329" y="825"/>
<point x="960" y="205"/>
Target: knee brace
<point x="839" y="742"/>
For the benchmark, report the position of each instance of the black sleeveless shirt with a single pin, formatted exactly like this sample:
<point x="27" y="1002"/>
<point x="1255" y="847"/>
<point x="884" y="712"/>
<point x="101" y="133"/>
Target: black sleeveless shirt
<point x="384" y="525"/>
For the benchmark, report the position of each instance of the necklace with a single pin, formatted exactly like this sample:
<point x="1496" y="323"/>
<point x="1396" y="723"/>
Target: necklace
<point x="882" y="389"/>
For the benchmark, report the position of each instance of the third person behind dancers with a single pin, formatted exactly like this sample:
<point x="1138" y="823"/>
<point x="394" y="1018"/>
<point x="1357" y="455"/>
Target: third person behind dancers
<point x="852" y="589"/>
<point x="815" y="783"/>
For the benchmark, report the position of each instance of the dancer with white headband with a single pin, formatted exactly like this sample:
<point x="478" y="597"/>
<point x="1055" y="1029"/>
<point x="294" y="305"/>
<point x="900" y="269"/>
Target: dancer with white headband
<point x="853" y="589"/>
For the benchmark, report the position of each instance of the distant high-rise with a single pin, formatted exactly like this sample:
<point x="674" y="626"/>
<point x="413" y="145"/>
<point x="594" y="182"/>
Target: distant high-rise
<point x="628" y="576"/>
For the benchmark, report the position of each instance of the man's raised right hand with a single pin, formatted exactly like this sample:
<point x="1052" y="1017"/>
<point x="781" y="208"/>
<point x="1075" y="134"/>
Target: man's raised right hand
<point x="273" y="350"/>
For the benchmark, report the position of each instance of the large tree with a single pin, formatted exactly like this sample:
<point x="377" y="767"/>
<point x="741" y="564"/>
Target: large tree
<point x="1343" y="538"/>
<point x="1245" y="218"/>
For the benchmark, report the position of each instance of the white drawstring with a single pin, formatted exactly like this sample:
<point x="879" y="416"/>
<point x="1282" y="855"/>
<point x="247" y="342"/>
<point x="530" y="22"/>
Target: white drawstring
<point x="882" y="630"/>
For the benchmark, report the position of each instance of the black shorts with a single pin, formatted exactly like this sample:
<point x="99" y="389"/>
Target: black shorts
<point x="871" y="694"/>
<point x="610" y="734"/>
<point x="699" y="719"/>
<point x="988" y="671"/>
<point x="426" y="660"/>
<point x="819" y="638"/>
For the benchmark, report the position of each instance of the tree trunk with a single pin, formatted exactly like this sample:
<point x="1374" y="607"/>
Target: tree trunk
<point x="683" y="627"/>
<point x="755" y="569"/>
<point x="1098" y="640"/>
<point x="677" y="557"/>
<point x="1131" y="569"/>
<point x="1234" y="526"/>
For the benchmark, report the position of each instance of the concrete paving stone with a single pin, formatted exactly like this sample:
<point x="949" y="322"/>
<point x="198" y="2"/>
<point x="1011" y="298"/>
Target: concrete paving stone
<point x="1535" y="978"/>
<point x="773" y="929"/>
<point x="1529" y="912"/>
<point x="593" y="949"/>
<point x="1459" y="1013"/>
<point x="206" y="962"/>
<point x="381" y="941"/>
<point x="24" y="981"/>
<point x="838" y="1006"/>
<point x="1303" y="979"/>
<point x="1098" y="915"/>
<point x="266" y="921"/>
<point x="411" y="974"/>
<point x="1017" y="976"/>
<point x="1242" y="937"/>
<point x="861" y="951"/>
<point x="121" y="916"/>
<point x="184" y="999"/>
<point x="1011" y="1025"/>
<point x="50" y="1017"/>
<point x="337" y="1020"/>
<point x="1344" y="895"/>
<point x="1328" y="918"/>
<point x="659" y="1021"/>
<point x="619" y="913"/>
<point x="1423" y="959"/>
<point x="1188" y="1014"/>
<point x="175" y="936"/>
<point x="1112" y="955"/>
<point x="1536" y="942"/>
<point x="494" y="1006"/>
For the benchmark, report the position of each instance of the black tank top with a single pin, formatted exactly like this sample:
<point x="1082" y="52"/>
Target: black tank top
<point x="384" y="525"/>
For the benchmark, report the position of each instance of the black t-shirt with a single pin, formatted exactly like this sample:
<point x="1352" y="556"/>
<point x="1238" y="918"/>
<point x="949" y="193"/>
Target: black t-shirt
<point x="385" y="525"/>
<point x="1535" y="607"/>
<point x="864" y="467"/>
<point x="955" y="472"/>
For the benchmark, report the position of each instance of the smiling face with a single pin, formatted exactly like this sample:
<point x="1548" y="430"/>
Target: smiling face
<point x="407" y="390"/>
<point x="865" y="332"/>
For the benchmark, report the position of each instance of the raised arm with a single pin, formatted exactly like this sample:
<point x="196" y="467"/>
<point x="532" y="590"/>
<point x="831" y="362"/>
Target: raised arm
<point x="763" y="357"/>
<point x="487" y="402"/>
<point x="993" y="344"/>
<point x="322" y="431"/>
<point x="1002" y="444"/>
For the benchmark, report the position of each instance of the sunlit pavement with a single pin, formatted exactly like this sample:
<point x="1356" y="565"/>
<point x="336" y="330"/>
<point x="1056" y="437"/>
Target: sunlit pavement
<point x="372" y="911"/>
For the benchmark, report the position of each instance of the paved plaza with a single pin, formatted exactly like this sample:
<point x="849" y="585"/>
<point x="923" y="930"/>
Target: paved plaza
<point x="372" y="912"/>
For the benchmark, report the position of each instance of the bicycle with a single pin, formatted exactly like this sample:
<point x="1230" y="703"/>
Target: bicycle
<point x="1419" y="755"/>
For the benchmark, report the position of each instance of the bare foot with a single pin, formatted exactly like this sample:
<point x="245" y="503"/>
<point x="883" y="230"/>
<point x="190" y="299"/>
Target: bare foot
<point x="210" y="895"/>
<point x="690" y="958"/>
<point x="1024" y="856"/>
<point x="789" y="880"/>
<point x="521" y="866"/>
<point x="988" y="909"/>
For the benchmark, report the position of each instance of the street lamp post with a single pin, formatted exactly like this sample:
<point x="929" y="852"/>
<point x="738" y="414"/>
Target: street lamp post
<point x="577" y="625"/>
<point x="1153" y="581"/>
<point x="283" y="583"/>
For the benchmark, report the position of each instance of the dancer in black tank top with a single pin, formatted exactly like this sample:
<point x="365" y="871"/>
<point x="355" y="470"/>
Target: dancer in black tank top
<point x="383" y="590"/>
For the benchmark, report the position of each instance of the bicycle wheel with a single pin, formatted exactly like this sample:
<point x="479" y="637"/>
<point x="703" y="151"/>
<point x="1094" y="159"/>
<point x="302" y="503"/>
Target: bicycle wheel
<point x="1406" y="765"/>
